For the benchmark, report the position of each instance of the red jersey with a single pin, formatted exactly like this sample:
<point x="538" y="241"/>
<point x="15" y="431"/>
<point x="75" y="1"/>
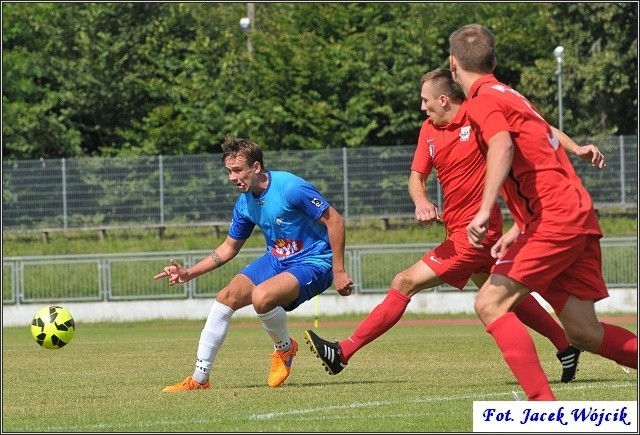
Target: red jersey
<point x="542" y="187"/>
<point x="453" y="151"/>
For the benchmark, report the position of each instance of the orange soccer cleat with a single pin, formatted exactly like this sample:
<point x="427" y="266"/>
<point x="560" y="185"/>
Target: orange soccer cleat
<point x="186" y="385"/>
<point x="281" y="365"/>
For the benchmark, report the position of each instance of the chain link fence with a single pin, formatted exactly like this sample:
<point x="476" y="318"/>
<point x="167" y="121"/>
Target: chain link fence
<point x="135" y="191"/>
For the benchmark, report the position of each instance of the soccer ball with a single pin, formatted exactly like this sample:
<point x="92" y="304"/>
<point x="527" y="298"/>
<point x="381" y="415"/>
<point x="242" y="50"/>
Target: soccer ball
<point x="53" y="327"/>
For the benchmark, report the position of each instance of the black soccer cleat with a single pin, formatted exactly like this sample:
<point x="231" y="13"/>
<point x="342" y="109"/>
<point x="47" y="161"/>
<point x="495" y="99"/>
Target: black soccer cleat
<point x="328" y="352"/>
<point x="569" y="360"/>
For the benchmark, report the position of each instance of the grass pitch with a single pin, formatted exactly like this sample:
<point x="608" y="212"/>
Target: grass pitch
<point x="418" y="377"/>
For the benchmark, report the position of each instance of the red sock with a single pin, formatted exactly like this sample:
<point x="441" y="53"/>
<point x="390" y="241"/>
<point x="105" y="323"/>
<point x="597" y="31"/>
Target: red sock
<point x="619" y="345"/>
<point x="531" y="313"/>
<point x="379" y="321"/>
<point x="519" y="352"/>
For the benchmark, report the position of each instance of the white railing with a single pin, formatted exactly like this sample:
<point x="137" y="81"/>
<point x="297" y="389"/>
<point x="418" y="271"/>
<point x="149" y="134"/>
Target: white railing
<point x="116" y="277"/>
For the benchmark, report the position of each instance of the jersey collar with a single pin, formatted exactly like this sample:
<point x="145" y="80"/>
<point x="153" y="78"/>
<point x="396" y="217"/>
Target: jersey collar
<point x="473" y="90"/>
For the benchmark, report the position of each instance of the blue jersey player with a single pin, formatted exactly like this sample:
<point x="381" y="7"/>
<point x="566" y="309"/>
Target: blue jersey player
<point x="305" y="239"/>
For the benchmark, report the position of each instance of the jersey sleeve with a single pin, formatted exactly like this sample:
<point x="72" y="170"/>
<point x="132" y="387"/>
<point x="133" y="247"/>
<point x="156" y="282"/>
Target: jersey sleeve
<point x="305" y="197"/>
<point x="241" y="227"/>
<point x="422" y="160"/>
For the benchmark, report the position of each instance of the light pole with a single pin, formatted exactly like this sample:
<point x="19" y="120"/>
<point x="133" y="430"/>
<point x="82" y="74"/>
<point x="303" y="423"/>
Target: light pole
<point x="559" y="52"/>
<point x="247" y="24"/>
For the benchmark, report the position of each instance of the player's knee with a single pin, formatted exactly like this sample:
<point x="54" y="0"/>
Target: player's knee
<point x="259" y="301"/>
<point x="404" y="283"/>
<point x="486" y="309"/>
<point x="264" y="301"/>
<point x="224" y="297"/>
<point x="231" y="299"/>
<point x="480" y="307"/>
<point x="586" y="337"/>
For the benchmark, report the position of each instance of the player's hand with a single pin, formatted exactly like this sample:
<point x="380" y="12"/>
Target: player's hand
<point x="477" y="229"/>
<point x="427" y="213"/>
<point x="591" y="152"/>
<point x="176" y="273"/>
<point x="497" y="250"/>
<point x="507" y="239"/>
<point x="343" y="283"/>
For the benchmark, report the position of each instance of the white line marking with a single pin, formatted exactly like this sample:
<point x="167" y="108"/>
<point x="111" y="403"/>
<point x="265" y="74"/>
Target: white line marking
<point x="353" y="405"/>
<point x="142" y="425"/>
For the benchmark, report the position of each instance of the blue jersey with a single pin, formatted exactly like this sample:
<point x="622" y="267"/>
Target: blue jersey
<point x="287" y="212"/>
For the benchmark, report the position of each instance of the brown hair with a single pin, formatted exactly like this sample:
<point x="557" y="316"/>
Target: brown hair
<point x="474" y="47"/>
<point x="443" y="84"/>
<point x="251" y="151"/>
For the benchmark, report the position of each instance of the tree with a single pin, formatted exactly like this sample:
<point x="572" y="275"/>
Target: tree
<point x="600" y="69"/>
<point x="124" y="79"/>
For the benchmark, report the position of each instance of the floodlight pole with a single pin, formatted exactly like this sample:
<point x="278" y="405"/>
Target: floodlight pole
<point x="559" y="52"/>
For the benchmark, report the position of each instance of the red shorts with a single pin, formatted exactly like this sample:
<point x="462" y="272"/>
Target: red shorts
<point x="556" y="266"/>
<point x="455" y="260"/>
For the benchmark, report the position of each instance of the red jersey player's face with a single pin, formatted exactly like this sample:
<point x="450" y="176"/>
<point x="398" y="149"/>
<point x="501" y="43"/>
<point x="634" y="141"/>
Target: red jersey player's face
<point x="433" y="105"/>
<point x="243" y="175"/>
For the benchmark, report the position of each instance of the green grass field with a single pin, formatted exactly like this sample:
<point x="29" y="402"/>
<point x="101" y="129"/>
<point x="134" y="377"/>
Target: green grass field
<point x="418" y="377"/>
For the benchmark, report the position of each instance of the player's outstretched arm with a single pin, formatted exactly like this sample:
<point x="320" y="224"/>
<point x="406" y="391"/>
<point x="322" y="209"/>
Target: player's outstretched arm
<point x="178" y="274"/>
<point x="585" y="152"/>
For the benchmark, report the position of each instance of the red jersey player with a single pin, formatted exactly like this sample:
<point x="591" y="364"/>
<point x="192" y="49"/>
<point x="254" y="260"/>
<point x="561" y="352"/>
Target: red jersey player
<point x="448" y="144"/>
<point x="557" y="253"/>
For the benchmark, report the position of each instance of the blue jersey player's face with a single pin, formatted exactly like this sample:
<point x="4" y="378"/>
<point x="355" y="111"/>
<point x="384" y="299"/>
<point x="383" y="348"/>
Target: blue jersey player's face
<point x="244" y="176"/>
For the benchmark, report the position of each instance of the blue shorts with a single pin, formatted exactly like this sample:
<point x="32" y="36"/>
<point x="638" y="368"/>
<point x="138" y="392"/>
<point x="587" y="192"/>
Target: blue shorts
<point x="313" y="277"/>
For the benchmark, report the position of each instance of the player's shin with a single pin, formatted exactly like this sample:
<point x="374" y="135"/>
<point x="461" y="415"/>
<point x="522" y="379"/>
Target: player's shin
<point x="519" y="352"/>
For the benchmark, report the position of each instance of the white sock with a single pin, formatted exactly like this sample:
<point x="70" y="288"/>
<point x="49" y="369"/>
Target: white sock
<point x="211" y="338"/>
<point x="275" y="323"/>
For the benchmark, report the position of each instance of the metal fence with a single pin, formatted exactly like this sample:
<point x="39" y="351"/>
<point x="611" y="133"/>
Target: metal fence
<point x="112" y="277"/>
<point x="359" y="182"/>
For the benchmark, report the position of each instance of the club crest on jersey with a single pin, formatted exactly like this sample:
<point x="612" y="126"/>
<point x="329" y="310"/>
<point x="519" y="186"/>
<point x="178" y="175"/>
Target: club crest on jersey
<point x="316" y="202"/>
<point x="465" y="133"/>
<point x="432" y="147"/>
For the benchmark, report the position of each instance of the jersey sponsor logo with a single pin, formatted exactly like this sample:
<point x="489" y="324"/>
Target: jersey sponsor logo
<point x="432" y="147"/>
<point x="504" y="261"/>
<point x="316" y="202"/>
<point x="465" y="133"/>
<point x="260" y="202"/>
<point x="289" y="360"/>
<point x="284" y="247"/>
<point x="434" y="259"/>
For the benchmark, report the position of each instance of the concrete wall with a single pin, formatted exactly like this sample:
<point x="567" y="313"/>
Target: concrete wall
<point x="620" y="301"/>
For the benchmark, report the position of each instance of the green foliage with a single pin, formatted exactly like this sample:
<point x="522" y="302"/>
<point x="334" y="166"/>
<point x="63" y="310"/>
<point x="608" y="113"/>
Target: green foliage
<point x="122" y="79"/>
<point x="599" y="69"/>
